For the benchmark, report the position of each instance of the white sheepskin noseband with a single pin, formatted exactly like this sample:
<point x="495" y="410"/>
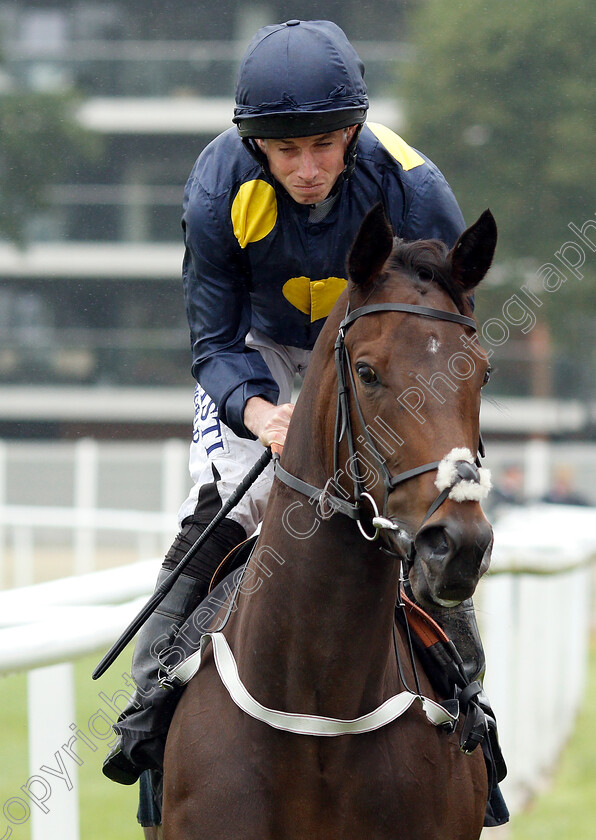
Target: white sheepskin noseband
<point x="462" y="489"/>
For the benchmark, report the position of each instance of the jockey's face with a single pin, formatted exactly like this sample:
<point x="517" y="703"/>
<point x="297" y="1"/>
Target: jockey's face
<point x="308" y="167"/>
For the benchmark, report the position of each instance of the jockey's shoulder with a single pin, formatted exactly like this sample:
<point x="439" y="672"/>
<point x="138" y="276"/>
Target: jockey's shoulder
<point x="381" y="147"/>
<point x="223" y="163"/>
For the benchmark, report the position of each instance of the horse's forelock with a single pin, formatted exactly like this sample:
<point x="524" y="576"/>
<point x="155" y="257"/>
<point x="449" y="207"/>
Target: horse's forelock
<point x="426" y="261"/>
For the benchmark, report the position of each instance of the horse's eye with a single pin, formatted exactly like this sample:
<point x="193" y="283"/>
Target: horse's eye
<point x="366" y="374"/>
<point x="425" y="274"/>
<point x="487" y="374"/>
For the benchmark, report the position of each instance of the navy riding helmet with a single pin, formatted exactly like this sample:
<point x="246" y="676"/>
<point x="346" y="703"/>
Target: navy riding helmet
<point x="298" y="79"/>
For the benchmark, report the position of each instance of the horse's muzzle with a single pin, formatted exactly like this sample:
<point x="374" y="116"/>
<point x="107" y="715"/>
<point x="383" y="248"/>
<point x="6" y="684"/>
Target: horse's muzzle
<point x="450" y="556"/>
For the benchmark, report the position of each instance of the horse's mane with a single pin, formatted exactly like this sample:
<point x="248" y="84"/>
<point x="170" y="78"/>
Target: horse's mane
<point x="425" y="260"/>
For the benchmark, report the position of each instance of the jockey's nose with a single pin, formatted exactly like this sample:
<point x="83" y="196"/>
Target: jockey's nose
<point x="308" y="168"/>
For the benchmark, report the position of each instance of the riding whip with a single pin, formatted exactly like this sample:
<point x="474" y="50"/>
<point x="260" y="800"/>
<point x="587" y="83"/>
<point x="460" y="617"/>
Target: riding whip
<point x="162" y="590"/>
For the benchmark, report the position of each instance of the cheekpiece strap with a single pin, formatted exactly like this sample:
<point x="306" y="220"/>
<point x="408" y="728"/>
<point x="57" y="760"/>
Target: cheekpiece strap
<point x="314" y="493"/>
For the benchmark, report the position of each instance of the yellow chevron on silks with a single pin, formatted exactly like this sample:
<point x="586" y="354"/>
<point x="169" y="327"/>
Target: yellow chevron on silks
<point x="254" y="212"/>
<point x="398" y="148"/>
<point x="314" y="297"/>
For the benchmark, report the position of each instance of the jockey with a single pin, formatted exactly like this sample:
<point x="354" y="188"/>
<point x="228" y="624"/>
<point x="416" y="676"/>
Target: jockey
<point x="271" y="209"/>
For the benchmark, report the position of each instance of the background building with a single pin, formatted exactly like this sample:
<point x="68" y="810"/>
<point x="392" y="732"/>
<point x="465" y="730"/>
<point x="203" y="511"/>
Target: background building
<point x="93" y="334"/>
<point x="93" y="301"/>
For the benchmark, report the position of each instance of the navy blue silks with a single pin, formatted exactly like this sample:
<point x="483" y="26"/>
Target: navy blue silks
<point x="246" y="238"/>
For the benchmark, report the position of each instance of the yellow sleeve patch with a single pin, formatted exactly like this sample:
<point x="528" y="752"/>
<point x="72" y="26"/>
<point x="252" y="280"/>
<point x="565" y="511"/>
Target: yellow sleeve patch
<point x="314" y="297"/>
<point x="254" y="212"/>
<point x="398" y="148"/>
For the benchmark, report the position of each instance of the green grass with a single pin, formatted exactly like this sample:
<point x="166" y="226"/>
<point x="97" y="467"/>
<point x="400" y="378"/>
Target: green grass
<point x="106" y="809"/>
<point x="566" y="811"/>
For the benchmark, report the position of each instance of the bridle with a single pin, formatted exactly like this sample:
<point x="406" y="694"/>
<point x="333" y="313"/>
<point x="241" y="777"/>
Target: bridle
<point x="328" y="500"/>
<point x="463" y="470"/>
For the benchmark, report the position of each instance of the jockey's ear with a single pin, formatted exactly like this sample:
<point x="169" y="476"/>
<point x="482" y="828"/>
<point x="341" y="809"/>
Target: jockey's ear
<point x="371" y="248"/>
<point x="473" y="252"/>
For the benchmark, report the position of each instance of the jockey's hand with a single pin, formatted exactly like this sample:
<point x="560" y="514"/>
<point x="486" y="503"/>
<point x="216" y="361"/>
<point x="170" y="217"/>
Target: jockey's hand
<point x="267" y="421"/>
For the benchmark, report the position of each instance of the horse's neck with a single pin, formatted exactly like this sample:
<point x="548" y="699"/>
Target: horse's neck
<point x="321" y="610"/>
<point x="323" y="598"/>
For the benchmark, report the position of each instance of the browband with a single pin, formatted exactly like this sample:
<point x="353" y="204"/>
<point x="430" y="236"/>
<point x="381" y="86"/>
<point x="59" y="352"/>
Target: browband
<point x="412" y="309"/>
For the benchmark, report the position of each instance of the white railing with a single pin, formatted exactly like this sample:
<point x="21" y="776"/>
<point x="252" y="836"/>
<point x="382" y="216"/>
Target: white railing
<point x="26" y="530"/>
<point x="21" y="523"/>
<point x="43" y="628"/>
<point x="534" y="609"/>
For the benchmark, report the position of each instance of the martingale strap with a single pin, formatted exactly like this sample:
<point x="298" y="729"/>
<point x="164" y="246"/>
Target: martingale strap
<point x="300" y="724"/>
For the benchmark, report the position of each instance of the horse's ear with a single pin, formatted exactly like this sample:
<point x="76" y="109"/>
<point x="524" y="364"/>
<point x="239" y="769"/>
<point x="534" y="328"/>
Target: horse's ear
<point x="371" y="248"/>
<point x="473" y="252"/>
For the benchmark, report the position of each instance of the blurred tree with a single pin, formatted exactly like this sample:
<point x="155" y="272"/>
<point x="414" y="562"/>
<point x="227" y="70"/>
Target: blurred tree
<point x="502" y="97"/>
<point x="40" y="143"/>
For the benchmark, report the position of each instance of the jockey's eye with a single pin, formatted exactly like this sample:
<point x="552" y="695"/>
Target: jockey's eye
<point x="366" y="373"/>
<point x="487" y="374"/>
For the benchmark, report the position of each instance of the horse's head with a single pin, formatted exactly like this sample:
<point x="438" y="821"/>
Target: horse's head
<point x="414" y="369"/>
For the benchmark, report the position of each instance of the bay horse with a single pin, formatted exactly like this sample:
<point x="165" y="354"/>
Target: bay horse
<point x="313" y="633"/>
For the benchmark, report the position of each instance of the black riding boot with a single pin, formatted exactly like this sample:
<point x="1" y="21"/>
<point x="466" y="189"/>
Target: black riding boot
<point x="143" y="725"/>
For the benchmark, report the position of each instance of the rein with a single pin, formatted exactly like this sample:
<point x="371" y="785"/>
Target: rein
<point x="466" y="468"/>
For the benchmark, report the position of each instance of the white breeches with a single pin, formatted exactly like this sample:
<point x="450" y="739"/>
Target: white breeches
<point x="215" y="445"/>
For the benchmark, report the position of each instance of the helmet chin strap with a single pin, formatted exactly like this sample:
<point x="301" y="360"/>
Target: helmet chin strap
<point x="254" y="151"/>
<point x="350" y="162"/>
<point x="351" y="154"/>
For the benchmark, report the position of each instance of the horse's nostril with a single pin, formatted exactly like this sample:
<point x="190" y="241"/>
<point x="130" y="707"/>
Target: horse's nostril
<point x="435" y="542"/>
